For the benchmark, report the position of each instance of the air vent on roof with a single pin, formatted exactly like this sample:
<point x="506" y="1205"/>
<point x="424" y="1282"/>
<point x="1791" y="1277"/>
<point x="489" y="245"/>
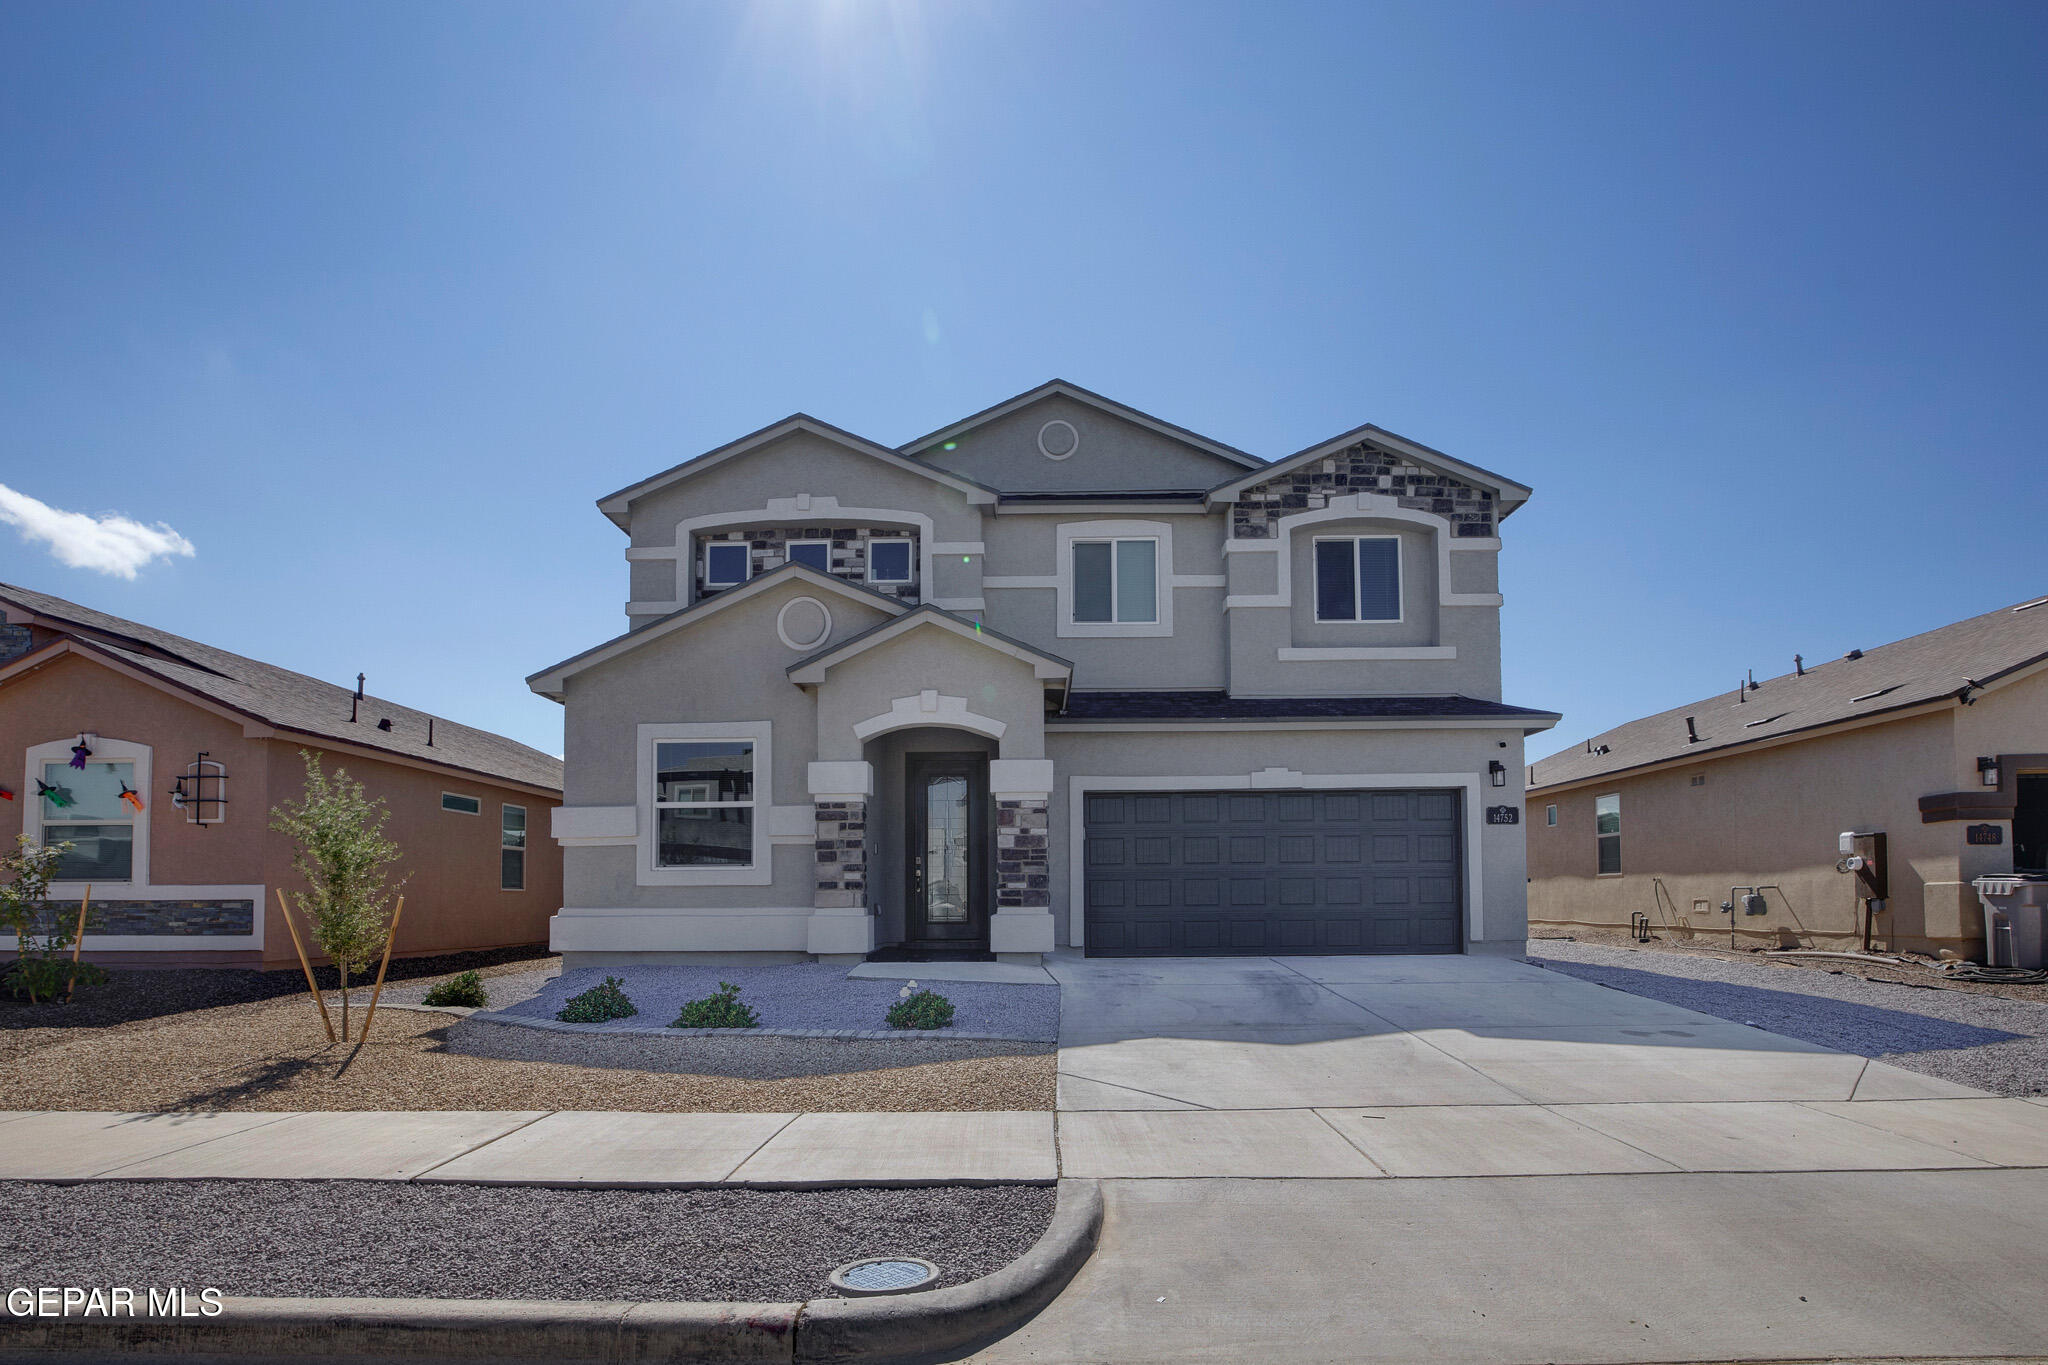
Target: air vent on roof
<point x="1766" y="720"/>
<point x="384" y="724"/>
<point x="1853" y="654"/>
<point x="2029" y="606"/>
<point x="1880" y="692"/>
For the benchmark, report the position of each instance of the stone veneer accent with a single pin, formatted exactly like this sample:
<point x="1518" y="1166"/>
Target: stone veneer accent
<point x="842" y="852"/>
<point x="849" y="553"/>
<point x="1363" y="468"/>
<point x="1022" y="881"/>
<point x="15" y="641"/>
<point x="159" y="919"/>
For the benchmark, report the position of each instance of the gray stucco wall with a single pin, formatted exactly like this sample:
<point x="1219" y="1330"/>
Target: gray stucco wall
<point x="1113" y="453"/>
<point x="929" y="657"/>
<point x="1384" y="753"/>
<point x="726" y="667"/>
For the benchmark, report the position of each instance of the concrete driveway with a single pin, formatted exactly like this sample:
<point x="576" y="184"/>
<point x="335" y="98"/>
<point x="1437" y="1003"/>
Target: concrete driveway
<point x="1475" y="1159"/>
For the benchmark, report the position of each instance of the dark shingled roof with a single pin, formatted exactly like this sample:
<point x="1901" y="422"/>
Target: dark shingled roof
<point x="1219" y="705"/>
<point x="293" y="701"/>
<point x="1929" y="667"/>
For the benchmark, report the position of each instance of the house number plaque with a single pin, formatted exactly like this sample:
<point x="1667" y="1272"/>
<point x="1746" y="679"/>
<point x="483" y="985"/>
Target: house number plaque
<point x="1503" y="815"/>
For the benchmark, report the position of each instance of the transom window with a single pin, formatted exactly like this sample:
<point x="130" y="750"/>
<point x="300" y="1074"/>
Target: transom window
<point x="888" y="561"/>
<point x="1358" y="578"/>
<point x="94" y="810"/>
<point x="704" y="803"/>
<point x="1116" y="580"/>
<point x="815" y="553"/>
<point x="511" y="848"/>
<point x="460" y="804"/>
<point x="1607" y="831"/>
<point x="726" y="564"/>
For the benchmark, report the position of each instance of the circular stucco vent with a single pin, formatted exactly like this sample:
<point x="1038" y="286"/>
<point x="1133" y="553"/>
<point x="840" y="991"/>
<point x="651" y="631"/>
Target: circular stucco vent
<point x="884" y="1275"/>
<point x="1057" y="439"/>
<point x="803" y="622"/>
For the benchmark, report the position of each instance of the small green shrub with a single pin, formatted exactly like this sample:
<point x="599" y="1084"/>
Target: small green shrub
<point x="599" y="1003"/>
<point x="723" y="1008"/>
<point x="925" y="1009"/>
<point x="466" y="989"/>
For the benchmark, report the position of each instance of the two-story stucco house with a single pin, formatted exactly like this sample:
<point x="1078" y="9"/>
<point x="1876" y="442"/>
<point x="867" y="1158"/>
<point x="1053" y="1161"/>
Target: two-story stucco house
<point x="1058" y="674"/>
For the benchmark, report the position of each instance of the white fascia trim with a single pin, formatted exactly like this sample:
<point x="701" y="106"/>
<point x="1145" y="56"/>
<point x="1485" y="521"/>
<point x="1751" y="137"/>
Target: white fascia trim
<point x="104" y="750"/>
<point x="1416" y="453"/>
<point x="802" y="507"/>
<point x="762" y="873"/>
<point x="594" y="826"/>
<point x="165" y="943"/>
<point x="928" y="708"/>
<point x="1276" y="779"/>
<point x="814" y="672"/>
<point x="1534" y="725"/>
<point x="850" y="779"/>
<point x="1101" y="404"/>
<point x="1366" y="653"/>
<point x="1353" y="507"/>
<point x="616" y="505"/>
<point x="1044" y="580"/>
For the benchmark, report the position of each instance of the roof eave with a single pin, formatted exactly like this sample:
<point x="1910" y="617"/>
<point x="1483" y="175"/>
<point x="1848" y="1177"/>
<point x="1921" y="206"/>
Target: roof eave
<point x="1509" y="494"/>
<point x="1092" y="399"/>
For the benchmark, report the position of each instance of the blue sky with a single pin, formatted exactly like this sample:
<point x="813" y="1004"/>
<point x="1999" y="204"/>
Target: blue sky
<point x="369" y="302"/>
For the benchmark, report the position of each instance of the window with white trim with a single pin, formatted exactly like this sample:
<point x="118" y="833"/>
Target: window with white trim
<point x="93" y="809"/>
<point x="511" y="848"/>
<point x="817" y="554"/>
<point x="1116" y="581"/>
<point x="1550" y="816"/>
<point x="704" y="803"/>
<point x="1358" y="578"/>
<point x="1607" y="832"/>
<point x="455" y="803"/>
<point x="889" y="560"/>
<point x="726" y="563"/>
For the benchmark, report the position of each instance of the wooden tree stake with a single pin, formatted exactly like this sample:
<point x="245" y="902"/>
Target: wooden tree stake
<point x="389" y="939"/>
<point x="311" y="985"/>
<point x="77" y="943"/>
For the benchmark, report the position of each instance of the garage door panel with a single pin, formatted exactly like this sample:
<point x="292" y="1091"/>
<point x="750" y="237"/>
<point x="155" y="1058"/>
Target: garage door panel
<point x="1289" y="865"/>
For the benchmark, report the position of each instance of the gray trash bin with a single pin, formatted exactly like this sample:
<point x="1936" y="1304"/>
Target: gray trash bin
<point x="2015" y="906"/>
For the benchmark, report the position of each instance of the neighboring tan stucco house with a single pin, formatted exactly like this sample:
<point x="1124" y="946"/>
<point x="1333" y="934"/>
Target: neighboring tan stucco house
<point x="1939" y="743"/>
<point x="208" y="742"/>
<point x="1059" y="674"/>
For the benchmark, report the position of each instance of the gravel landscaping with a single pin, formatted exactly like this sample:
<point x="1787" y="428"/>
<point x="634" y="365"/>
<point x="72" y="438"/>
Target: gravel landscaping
<point x="272" y="1055"/>
<point x="802" y="996"/>
<point x="372" y="1239"/>
<point x="1977" y="1038"/>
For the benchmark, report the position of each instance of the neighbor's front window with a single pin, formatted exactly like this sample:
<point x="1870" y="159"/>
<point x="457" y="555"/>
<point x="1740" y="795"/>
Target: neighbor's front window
<point x="1358" y="578"/>
<point x="704" y="803"/>
<point x="1607" y="829"/>
<point x="1116" y="581"/>
<point x="511" y="848"/>
<point x="83" y="807"/>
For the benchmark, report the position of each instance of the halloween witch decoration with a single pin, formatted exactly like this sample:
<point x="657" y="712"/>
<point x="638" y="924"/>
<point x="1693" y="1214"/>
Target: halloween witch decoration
<point x="132" y="797"/>
<point x="60" y="797"/>
<point x="79" y="753"/>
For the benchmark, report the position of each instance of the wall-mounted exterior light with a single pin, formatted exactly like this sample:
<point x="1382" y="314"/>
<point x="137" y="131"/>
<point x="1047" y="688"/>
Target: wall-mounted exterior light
<point x="1498" y="771"/>
<point x="1987" y="768"/>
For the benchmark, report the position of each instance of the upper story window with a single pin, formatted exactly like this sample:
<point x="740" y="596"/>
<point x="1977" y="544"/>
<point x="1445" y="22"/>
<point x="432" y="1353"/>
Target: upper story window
<point x="888" y="561"/>
<point x="815" y="553"/>
<point x="1607" y="831"/>
<point x="704" y="803"/>
<point x="1358" y="578"/>
<point x="93" y="809"/>
<point x="726" y="564"/>
<point x="1116" y="581"/>
<point x="460" y="804"/>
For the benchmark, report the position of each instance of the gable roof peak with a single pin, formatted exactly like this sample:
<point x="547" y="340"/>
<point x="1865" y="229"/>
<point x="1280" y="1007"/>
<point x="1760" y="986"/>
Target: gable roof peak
<point x="1066" y="388"/>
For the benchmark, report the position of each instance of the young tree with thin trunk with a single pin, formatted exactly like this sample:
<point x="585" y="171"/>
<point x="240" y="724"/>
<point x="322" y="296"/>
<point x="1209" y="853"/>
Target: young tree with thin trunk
<point x="345" y="858"/>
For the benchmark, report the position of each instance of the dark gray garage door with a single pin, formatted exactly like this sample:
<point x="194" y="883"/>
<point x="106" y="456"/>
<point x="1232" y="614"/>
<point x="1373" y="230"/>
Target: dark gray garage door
<point x="1192" y="874"/>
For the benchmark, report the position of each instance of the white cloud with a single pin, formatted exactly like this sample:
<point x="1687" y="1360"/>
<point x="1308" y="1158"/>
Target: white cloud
<point x="109" y="543"/>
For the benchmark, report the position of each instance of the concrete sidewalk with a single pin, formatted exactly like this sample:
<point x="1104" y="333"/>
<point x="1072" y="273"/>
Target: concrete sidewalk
<point x="1402" y="1142"/>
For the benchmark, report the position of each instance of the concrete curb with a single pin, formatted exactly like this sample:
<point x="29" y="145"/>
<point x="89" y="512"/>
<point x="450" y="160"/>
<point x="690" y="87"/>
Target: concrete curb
<point x="882" y="1035"/>
<point x="905" y="1327"/>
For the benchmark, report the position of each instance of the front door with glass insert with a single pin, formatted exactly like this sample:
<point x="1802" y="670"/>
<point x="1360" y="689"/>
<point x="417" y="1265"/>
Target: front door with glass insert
<point x="946" y="868"/>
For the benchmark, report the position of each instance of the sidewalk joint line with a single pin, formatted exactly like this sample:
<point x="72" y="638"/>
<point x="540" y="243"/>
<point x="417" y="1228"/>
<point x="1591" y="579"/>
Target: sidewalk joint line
<point x="190" y="1146"/>
<point x="407" y="1179"/>
<point x="780" y="1129"/>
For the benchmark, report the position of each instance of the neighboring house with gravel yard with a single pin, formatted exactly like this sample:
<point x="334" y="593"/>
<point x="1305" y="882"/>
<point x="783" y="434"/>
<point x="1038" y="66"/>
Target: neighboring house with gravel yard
<point x="1059" y="673"/>
<point x="186" y="750"/>
<point x="1938" y="744"/>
